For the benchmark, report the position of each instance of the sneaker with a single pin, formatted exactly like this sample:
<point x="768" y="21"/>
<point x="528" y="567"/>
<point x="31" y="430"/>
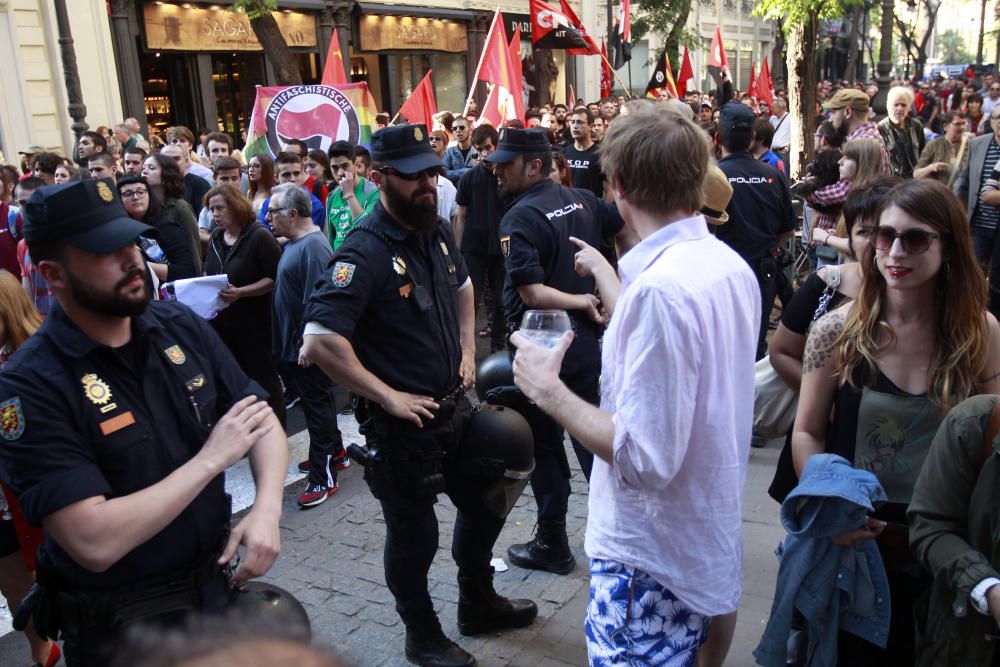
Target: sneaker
<point x="54" y="654"/>
<point x="316" y="494"/>
<point x="291" y="402"/>
<point x="304" y="466"/>
<point x="342" y="460"/>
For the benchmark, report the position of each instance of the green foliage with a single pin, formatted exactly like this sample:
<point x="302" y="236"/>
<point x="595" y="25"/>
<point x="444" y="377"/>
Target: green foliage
<point x="952" y="49"/>
<point x="660" y="17"/>
<point x="254" y="9"/>
<point x="797" y="12"/>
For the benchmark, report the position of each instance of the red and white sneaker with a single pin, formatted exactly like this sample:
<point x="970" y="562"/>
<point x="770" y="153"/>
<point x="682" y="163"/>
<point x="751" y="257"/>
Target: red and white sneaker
<point x="316" y="494"/>
<point x="341" y="459"/>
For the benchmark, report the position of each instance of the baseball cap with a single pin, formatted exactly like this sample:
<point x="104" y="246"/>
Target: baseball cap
<point x="716" y="192"/>
<point x="33" y="149"/>
<point x="736" y="114"/>
<point x="85" y="214"/>
<point x="515" y="141"/>
<point x="848" y="98"/>
<point x="406" y="148"/>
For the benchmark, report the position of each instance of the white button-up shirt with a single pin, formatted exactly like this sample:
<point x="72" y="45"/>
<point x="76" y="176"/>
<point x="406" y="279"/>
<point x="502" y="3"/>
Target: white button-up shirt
<point x="678" y="376"/>
<point x="782" y="131"/>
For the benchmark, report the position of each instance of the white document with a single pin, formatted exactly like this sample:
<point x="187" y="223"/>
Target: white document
<point x="202" y="294"/>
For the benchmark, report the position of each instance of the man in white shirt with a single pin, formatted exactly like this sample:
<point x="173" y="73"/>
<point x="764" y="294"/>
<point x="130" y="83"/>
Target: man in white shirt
<point x="672" y="435"/>
<point x="782" y="123"/>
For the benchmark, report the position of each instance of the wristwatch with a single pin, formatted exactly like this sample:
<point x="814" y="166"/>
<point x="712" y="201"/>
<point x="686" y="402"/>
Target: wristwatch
<point x="978" y="594"/>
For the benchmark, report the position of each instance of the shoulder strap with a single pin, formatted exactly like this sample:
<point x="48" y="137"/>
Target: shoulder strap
<point x="991" y="434"/>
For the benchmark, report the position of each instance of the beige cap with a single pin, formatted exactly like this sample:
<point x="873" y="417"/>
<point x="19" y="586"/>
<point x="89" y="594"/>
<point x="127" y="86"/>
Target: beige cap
<point x="848" y="98"/>
<point x="717" y="192"/>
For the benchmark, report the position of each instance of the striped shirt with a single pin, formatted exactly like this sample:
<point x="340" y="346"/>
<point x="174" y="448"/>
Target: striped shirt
<point x="987" y="216"/>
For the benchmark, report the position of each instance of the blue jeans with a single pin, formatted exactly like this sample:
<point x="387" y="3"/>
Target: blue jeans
<point x="634" y="620"/>
<point x="982" y="244"/>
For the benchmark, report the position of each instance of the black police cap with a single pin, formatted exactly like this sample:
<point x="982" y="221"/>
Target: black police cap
<point x="735" y="115"/>
<point x="515" y="141"/>
<point x="405" y="148"/>
<point x="86" y="214"/>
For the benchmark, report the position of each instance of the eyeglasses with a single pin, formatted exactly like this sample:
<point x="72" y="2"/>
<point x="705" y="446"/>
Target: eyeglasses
<point x="915" y="241"/>
<point x="430" y="172"/>
<point x="272" y="211"/>
<point x="134" y="194"/>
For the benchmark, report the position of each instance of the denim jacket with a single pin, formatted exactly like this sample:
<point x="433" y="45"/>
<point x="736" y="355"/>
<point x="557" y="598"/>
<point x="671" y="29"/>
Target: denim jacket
<point x="455" y="165"/>
<point x="833" y="587"/>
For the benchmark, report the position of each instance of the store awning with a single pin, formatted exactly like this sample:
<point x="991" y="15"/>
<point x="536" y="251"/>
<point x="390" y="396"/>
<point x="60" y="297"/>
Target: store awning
<point x="420" y="12"/>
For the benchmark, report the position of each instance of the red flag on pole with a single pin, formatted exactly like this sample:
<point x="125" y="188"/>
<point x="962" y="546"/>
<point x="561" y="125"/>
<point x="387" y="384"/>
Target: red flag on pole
<point x="765" y="87"/>
<point x="685" y="75"/>
<point x="333" y="70"/>
<point x="605" y="73"/>
<point x="575" y="21"/>
<point x="421" y="106"/>
<point x="717" y="52"/>
<point x="517" y="75"/>
<point x="495" y="64"/>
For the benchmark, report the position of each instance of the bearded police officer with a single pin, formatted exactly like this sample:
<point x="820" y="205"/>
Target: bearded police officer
<point x="535" y="235"/>
<point x="117" y="421"/>
<point x="393" y="322"/>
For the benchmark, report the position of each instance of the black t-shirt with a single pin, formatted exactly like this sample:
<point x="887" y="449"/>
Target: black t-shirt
<point x="534" y="237"/>
<point x="394" y="295"/>
<point x="254" y="256"/>
<point x="760" y="210"/>
<point x="479" y="193"/>
<point x="585" y="169"/>
<point x="801" y="310"/>
<point x="80" y="420"/>
<point x="195" y="188"/>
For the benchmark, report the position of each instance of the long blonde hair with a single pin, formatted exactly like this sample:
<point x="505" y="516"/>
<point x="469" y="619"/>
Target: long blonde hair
<point x="961" y="341"/>
<point x="19" y="316"/>
<point x="867" y="154"/>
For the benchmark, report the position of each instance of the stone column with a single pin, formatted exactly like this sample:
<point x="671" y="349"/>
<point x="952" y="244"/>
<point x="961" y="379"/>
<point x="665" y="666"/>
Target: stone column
<point x="127" y="63"/>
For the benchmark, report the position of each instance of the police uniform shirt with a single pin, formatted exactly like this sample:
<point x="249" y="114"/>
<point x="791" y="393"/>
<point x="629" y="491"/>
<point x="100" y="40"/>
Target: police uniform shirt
<point x="397" y="303"/>
<point x="79" y="419"/>
<point x="479" y="193"/>
<point x="534" y="237"/>
<point x="761" y="207"/>
<point x="585" y="168"/>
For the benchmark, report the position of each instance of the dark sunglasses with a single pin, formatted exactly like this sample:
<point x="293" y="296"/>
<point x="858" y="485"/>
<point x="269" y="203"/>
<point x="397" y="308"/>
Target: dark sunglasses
<point x="430" y="172"/>
<point x="915" y="241"/>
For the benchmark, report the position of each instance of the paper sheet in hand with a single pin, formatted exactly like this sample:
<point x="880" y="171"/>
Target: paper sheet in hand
<point x="202" y="294"/>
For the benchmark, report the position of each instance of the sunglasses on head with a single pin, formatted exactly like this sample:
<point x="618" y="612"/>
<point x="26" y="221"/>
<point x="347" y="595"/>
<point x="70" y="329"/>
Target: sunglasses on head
<point x="430" y="172"/>
<point x="915" y="241"/>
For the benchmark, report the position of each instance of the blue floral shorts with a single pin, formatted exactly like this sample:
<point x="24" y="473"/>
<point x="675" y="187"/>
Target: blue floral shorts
<point x="633" y="620"/>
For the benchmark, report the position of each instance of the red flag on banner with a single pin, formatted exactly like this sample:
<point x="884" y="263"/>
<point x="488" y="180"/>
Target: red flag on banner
<point x="752" y="88"/>
<point x="577" y="24"/>
<point x="685" y="75"/>
<point x="333" y="70"/>
<point x="717" y="52"/>
<point x="765" y="87"/>
<point x="605" y="73"/>
<point x="421" y="106"/>
<point x="495" y="64"/>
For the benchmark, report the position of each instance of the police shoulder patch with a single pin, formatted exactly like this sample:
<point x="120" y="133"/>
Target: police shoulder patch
<point x="505" y="245"/>
<point x="343" y="273"/>
<point x="11" y="419"/>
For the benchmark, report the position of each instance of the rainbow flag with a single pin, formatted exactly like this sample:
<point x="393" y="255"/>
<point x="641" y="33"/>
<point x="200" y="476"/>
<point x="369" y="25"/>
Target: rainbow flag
<point x="317" y="114"/>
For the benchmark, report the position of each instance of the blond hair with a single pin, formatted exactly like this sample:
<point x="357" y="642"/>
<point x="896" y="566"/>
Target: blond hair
<point x="867" y="154"/>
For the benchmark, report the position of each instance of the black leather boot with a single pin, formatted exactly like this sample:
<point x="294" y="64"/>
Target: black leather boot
<point x="481" y="609"/>
<point x="427" y="645"/>
<point x="548" y="551"/>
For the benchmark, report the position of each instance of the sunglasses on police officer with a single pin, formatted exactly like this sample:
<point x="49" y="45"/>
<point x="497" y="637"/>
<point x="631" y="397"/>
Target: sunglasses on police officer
<point x="430" y="172"/>
<point x="915" y="241"/>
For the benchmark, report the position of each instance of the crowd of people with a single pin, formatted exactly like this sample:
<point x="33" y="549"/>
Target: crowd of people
<point x="659" y="227"/>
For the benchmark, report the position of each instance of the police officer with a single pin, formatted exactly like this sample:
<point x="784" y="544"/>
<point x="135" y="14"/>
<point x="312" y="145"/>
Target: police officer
<point x="535" y="240"/>
<point x="117" y="421"/>
<point x="393" y="322"/>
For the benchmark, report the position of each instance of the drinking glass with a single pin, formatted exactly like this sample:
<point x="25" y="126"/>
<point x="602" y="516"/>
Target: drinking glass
<point x="545" y="327"/>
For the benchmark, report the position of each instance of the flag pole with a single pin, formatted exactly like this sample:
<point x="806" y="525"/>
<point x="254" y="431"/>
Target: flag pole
<point x="479" y="67"/>
<point x="628" y="90"/>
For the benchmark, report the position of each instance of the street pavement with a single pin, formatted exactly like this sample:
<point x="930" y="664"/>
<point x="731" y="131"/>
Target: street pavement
<point x="331" y="560"/>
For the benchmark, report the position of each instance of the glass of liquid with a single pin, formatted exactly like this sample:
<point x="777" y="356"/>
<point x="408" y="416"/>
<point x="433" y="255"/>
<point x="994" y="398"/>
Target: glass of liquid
<point x="545" y="327"/>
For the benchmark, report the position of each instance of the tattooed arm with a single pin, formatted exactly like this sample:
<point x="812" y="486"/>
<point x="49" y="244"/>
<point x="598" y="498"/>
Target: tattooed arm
<point x="819" y="383"/>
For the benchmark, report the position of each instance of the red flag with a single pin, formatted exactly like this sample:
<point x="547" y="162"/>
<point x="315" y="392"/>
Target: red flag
<point x="517" y="80"/>
<point x="605" y="73"/>
<point x="765" y="87"/>
<point x="717" y="52"/>
<point x="572" y="98"/>
<point x="662" y="79"/>
<point x="553" y="28"/>
<point x="495" y="64"/>
<point x="577" y="24"/>
<point x="685" y="75"/>
<point x="333" y="71"/>
<point x="421" y="106"/>
<point x="752" y="88"/>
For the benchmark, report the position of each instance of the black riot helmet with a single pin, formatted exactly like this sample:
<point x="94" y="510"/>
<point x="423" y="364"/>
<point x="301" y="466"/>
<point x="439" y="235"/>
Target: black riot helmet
<point x="499" y="449"/>
<point x="262" y="601"/>
<point x="494" y="371"/>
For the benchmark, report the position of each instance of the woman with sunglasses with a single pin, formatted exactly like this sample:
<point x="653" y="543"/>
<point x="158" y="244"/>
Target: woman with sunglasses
<point x="880" y="373"/>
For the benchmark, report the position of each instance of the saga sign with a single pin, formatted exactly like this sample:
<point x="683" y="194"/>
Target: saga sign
<point x="318" y="115"/>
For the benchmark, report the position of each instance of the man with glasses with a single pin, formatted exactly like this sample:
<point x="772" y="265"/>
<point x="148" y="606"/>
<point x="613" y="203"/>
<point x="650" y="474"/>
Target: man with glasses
<point x="981" y="206"/>
<point x="581" y="156"/>
<point x="393" y="321"/>
<point x="458" y="159"/>
<point x="288" y="169"/>
<point x="944" y="158"/>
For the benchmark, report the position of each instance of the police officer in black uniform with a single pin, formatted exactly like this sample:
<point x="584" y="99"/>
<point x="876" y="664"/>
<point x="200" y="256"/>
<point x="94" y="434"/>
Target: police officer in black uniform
<point x="539" y="256"/>
<point x="393" y="321"/>
<point x="117" y="421"/>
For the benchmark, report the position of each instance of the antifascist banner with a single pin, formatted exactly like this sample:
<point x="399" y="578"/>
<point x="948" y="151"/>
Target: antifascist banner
<point x="551" y="28"/>
<point x="316" y="114"/>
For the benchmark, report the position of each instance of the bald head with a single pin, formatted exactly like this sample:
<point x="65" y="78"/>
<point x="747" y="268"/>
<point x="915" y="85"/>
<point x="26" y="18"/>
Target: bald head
<point x="178" y="155"/>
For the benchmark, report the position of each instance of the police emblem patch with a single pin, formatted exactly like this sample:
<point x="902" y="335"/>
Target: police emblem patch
<point x="104" y="192"/>
<point x="95" y="389"/>
<point x="399" y="265"/>
<point x="343" y="273"/>
<point x="505" y="245"/>
<point x="417" y="134"/>
<point x="444" y="247"/>
<point x="175" y="354"/>
<point x="11" y="419"/>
